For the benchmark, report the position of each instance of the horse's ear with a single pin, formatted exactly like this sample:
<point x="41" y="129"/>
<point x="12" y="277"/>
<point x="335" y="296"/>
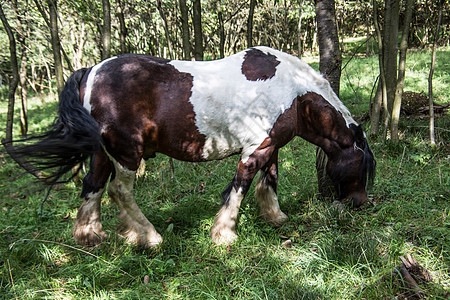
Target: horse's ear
<point x="358" y="134"/>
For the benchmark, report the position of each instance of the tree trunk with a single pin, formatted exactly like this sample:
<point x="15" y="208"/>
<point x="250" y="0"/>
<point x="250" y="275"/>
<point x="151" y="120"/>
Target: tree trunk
<point x="221" y="30"/>
<point x="166" y="27"/>
<point x="123" y="28"/>
<point x="382" y="90"/>
<point x="401" y="72"/>
<point x="198" y="34"/>
<point x="251" y="12"/>
<point x="15" y="77"/>
<point x="47" y="21"/>
<point x="106" y="33"/>
<point x="329" y="66"/>
<point x="56" y="45"/>
<point x="381" y="94"/>
<point x="430" y="76"/>
<point x="185" y="30"/>
<point x="367" y="29"/>
<point x="23" y="88"/>
<point x="299" y="27"/>
<point x="330" y="54"/>
<point x="391" y="15"/>
<point x="23" y="33"/>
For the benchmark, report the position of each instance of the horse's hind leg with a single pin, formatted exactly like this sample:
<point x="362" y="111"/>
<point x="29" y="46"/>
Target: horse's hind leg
<point x="266" y="193"/>
<point x="137" y="228"/>
<point x="88" y="227"/>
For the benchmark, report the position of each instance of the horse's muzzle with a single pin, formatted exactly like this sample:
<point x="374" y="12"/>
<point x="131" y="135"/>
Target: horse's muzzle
<point x="358" y="198"/>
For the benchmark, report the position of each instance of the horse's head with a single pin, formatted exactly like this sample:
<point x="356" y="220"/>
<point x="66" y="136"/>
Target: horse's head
<point x="350" y="171"/>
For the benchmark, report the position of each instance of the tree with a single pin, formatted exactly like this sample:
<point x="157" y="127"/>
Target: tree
<point x="123" y="27"/>
<point x="387" y="54"/>
<point x="392" y="76"/>
<point x="23" y="34"/>
<point x="299" y="26"/>
<point x="381" y="94"/>
<point x="15" y="76"/>
<point x="330" y="67"/>
<point x="166" y="27"/>
<point x="55" y="44"/>
<point x="401" y="72"/>
<point x="185" y="30"/>
<point x="221" y="30"/>
<point x="390" y="48"/>
<point x="106" y="33"/>
<point x="198" y="33"/>
<point x="49" y="25"/>
<point x="329" y="51"/>
<point x="430" y="76"/>
<point x="251" y="12"/>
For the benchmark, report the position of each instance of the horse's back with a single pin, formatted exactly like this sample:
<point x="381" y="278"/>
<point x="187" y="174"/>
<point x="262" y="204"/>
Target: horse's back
<point x="195" y="111"/>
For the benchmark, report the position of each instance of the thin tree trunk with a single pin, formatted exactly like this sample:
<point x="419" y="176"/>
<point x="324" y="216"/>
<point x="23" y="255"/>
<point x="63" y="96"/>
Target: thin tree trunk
<point x="47" y="21"/>
<point x="123" y="27"/>
<point x="381" y="90"/>
<point x="15" y="78"/>
<point x="251" y="12"/>
<point x="23" y="89"/>
<point x="367" y="31"/>
<point x="198" y="34"/>
<point x="285" y="28"/>
<point x="299" y="27"/>
<point x="430" y="76"/>
<point x="314" y="39"/>
<point x="330" y="54"/>
<point x="401" y="72"/>
<point x="23" y="33"/>
<point x="166" y="27"/>
<point x="390" y="43"/>
<point x="106" y="33"/>
<point x="221" y="30"/>
<point x="185" y="30"/>
<point x="275" y="25"/>
<point x="55" y="44"/>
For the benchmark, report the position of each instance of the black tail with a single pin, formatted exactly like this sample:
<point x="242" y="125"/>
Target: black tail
<point x="74" y="137"/>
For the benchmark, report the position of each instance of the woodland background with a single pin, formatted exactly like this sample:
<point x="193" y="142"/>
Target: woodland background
<point x="54" y="38"/>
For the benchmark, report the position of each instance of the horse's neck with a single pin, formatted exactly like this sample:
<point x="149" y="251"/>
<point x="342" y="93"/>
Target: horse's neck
<point x="322" y="124"/>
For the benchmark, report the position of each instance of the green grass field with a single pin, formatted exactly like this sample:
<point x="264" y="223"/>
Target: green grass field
<point x="335" y="254"/>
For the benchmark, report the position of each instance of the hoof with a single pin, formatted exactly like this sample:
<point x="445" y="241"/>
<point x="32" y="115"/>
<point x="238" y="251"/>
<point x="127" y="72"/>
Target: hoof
<point x="223" y="236"/>
<point x="276" y="220"/>
<point x="89" y="235"/>
<point x="144" y="239"/>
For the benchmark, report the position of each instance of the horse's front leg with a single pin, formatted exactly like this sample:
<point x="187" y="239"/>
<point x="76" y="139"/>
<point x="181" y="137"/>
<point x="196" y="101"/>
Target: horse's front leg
<point x="136" y="228"/>
<point x="266" y="193"/>
<point x="88" y="228"/>
<point x="223" y="230"/>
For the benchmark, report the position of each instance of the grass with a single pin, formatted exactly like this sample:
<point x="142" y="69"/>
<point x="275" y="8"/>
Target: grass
<point x="336" y="254"/>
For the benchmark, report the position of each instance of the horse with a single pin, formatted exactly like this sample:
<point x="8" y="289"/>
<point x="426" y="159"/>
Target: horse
<point x="132" y="106"/>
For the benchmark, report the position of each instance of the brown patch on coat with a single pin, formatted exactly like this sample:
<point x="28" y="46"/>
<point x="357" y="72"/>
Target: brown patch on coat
<point x="259" y="66"/>
<point x="321" y="124"/>
<point x="142" y="106"/>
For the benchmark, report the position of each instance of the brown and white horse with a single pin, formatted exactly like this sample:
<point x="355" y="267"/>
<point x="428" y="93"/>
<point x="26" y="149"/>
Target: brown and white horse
<point x="129" y="107"/>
